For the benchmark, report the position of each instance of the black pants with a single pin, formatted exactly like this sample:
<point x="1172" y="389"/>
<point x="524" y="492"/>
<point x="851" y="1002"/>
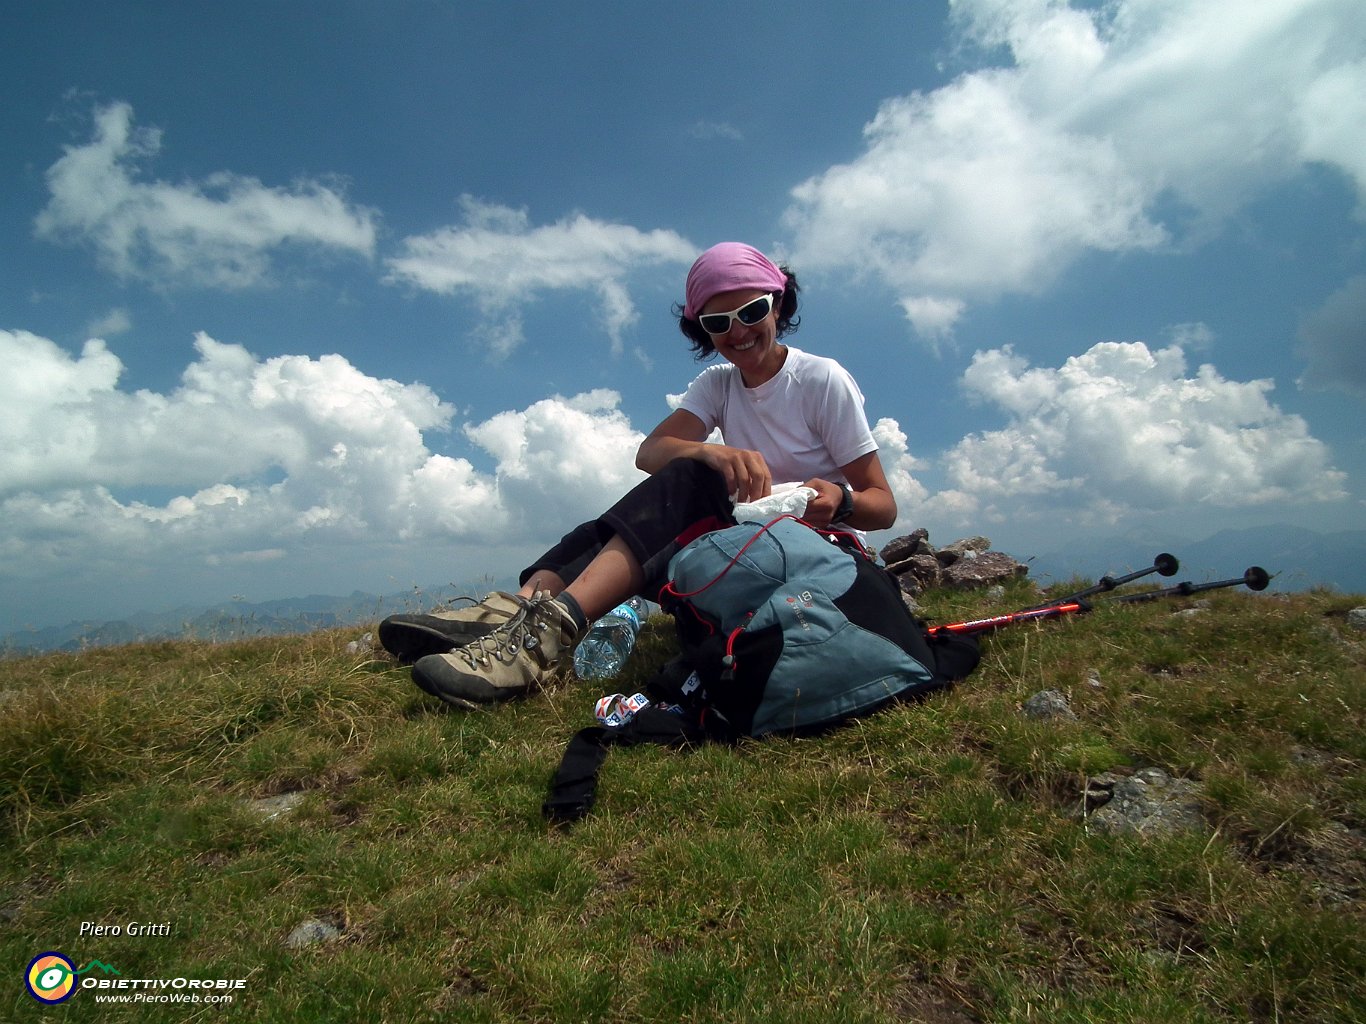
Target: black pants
<point x="655" y="519"/>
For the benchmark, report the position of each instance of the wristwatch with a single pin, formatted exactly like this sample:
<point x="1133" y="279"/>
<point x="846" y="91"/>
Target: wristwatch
<point x="846" y="508"/>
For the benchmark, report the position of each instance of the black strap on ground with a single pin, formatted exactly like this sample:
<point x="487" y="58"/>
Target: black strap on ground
<point x="575" y="784"/>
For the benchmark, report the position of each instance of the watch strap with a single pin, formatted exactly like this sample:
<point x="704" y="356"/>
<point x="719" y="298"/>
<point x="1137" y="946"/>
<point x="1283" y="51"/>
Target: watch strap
<point x="846" y="508"/>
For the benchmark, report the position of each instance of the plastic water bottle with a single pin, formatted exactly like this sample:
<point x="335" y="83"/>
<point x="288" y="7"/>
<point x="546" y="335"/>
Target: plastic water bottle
<point x="604" y="649"/>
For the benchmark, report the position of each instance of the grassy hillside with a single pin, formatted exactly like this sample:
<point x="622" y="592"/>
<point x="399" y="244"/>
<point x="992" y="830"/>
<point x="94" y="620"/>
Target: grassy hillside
<point x="924" y="864"/>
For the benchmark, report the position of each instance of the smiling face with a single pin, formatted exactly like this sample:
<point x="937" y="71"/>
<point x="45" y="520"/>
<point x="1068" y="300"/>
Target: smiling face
<point x="752" y="349"/>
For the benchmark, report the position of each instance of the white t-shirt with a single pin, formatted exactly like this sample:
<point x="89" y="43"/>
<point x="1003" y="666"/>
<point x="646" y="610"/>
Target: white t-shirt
<point x="806" y="422"/>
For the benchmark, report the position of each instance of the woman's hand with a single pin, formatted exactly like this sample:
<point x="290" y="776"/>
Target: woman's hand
<point x="820" y="510"/>
<point x="746" y="473"/>
<point x="874" y="505"/>
<point x="682" y="436"/>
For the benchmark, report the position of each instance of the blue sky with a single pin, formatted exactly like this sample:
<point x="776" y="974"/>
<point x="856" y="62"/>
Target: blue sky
<point x="312" y="297"/>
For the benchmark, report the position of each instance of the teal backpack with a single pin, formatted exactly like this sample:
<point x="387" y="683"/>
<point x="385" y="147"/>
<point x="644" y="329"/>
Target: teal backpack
<point x="790" y="628"/>
<point x="784" y="629"/>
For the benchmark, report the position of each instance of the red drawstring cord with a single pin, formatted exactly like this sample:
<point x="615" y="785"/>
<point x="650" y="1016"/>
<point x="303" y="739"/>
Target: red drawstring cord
<point x="829" y="532"/>
<point x="669" y="588"/>
<point x="729" y="660"/>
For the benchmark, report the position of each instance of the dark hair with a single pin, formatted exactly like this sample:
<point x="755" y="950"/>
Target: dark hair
<point x="788" y="320"/>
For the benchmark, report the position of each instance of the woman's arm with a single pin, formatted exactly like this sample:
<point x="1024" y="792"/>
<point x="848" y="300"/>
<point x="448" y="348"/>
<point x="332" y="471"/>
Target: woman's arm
<point x="682" y="435"/>
<point x="874" y="504"/>
<point x="678" y="436"/>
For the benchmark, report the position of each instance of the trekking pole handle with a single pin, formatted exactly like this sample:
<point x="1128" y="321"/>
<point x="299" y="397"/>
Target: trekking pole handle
<point x="1254" y="578"/>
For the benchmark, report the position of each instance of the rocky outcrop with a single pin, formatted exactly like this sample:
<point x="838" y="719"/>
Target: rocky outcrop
<point x="982" y="570"/>
<point x="965" y="564"/>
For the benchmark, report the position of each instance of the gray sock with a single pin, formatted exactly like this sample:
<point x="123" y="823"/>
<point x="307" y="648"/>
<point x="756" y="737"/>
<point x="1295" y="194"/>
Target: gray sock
<point x="567" y="602"/>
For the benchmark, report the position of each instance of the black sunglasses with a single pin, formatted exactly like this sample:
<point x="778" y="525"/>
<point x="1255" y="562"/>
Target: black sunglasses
<point x="749" y="314"/>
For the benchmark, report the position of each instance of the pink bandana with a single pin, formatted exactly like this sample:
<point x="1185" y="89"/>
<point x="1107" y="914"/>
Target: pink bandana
<point x="728" y="267"/>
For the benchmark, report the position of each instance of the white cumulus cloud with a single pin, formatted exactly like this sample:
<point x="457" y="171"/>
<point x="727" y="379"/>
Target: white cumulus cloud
<point x="221" y="232"/>
<point x="265" y="459"/>
<point x="561" y="460"/>
<point x="1103" y="116"/>
<point x="496" y="257"/>
<point x="1123" y="429"/>
<point x="899" y="465"/>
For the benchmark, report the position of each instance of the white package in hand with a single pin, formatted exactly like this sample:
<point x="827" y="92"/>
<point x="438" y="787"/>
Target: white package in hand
<point x="784" y="499"/>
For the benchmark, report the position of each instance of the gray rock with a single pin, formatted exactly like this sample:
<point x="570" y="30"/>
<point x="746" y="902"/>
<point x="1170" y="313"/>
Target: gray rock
<point x="983" y="570"/>
<point x="1356" y="618"/>
<point x="917" y="542"/>
<point x="364" y="645"/>
<point x="965" y="547"/>
<point x="1148" y="802"/>
<point x="312" y="932"/>
<point x="1048" y="704"/>
<point x="923" y="570"/>
<point x="910" y="586"/>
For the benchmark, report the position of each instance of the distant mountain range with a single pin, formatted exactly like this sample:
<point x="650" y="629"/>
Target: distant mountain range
<point x="239" y="620"/>
<point x="1299" y="559"/>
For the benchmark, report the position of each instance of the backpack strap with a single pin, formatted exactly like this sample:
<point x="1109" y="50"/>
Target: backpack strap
<point x="679" y="717"/>
<point x="575" y="784"/>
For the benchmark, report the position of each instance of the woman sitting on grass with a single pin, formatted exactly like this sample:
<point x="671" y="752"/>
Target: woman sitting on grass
<point x="784" y="415"/>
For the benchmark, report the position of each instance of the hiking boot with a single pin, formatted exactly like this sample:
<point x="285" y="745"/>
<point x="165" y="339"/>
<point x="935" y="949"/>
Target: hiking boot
<point x="410" y="637"/>
<point x="510" y="661"/>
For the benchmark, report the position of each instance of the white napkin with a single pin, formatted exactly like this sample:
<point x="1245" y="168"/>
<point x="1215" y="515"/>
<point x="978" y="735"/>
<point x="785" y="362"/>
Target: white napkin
<point x="783" y="499"/>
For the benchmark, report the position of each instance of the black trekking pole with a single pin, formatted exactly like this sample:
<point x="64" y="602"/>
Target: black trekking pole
<point x="1070" y="605"/>
<point x="1164" y="565"/>
<point x="1255" y="578"/>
